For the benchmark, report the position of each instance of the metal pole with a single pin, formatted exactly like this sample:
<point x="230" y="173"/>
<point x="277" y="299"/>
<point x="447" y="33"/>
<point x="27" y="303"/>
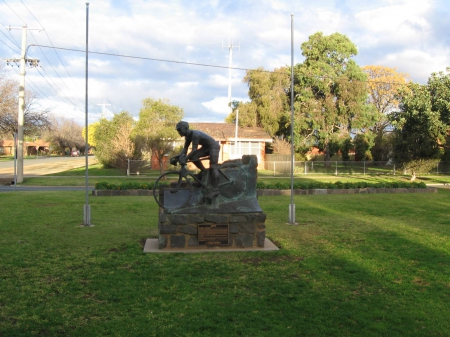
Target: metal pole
<point x="292" y="205"/>
<point x="21" y="107"/>
<point x="236" y="135"/>
<point x="87" y="207"/>
<point x="15" y="161"/>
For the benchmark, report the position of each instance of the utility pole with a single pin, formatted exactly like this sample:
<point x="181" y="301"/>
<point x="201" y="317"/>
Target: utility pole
<point x="32" y="62"/>
<point x="230" y="51"/>
<point x="103" y="108"/>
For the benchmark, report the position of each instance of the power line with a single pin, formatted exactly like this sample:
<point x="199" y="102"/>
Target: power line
<point x="14" y="12"/>
<point x="62" y="63"/>
<point x="54" y="69"/>
<point x="60" y="91"/>
<point x="8" y="45"/>
<point x="202" y="64"/>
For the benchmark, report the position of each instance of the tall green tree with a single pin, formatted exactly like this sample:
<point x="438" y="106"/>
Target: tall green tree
<point x="383" y="84"/>
<point x="155" y="129"/>
<point x="114" y="140"/>
<point x="269" y="103"/>
<point x="330" y="92"/>
<point x="439" y="88"/>
<point x="419" y="131"/>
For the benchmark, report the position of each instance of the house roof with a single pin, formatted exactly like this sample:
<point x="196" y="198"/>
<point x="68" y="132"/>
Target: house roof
<point x="225" y="131"/>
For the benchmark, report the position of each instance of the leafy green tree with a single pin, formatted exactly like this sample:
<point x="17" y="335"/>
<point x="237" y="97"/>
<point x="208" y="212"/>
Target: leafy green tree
<point x="383" y="84"/>
<point x="345" y="146"/>
<point x="155" y="129"/>
<point x="419" y="131"/>
<point x="91" y="132"/>
<point x="362" y="146"/>
<point x="269" y="101"/>
<point x="330" y="92"/>
<point x="114" y="140"/>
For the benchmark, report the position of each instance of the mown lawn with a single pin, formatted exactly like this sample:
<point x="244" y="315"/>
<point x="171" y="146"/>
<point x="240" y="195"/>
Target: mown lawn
<point x="76" y="177"/>
<point x="356" y="265"/>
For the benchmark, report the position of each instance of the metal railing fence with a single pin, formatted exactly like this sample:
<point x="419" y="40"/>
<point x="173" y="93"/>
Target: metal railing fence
<point x="283" y="168"/>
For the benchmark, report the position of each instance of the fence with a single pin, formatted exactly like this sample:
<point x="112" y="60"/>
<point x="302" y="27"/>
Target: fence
<point x="282" y="168"/>
<point x="139" y="167"/>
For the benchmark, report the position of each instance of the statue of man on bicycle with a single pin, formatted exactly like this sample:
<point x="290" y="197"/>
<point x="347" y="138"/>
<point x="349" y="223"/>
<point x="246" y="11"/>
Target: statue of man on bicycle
<point x="209" y="147"/>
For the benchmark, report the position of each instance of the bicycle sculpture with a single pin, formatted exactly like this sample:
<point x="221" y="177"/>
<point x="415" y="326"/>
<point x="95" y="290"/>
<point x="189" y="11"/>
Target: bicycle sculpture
<point x="184" y="188"/>
<point x="211" y="187"/>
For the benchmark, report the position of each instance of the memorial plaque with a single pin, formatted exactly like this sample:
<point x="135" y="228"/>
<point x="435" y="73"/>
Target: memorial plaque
<point x="213" y="235"/>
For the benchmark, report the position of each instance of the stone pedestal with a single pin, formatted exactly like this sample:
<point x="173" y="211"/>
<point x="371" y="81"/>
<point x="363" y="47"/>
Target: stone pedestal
<point x="233" y="219"/>
<point x="245" y="230"/>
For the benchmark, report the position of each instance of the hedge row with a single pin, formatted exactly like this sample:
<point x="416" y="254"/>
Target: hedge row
<point x="279" y="185"/>
<point x="338" y="185"/>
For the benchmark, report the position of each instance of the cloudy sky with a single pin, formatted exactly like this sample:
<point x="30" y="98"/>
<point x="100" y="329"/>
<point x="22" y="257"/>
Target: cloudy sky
<point x="178" y="50"/>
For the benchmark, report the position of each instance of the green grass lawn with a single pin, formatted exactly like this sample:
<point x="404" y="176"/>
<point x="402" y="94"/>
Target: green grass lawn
<point x="356" y="265"/>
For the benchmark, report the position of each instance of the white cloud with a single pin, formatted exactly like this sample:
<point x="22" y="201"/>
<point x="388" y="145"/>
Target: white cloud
<point x="218" y="105"/>
<point x="186" y="84"/>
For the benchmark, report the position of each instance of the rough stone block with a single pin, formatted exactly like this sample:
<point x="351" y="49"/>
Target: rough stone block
<point x="216" y="218"/>
<point x="179" y="219"/>
<point x="193" y="242"/>
<point x="261" y="226"/>
<point x="244" y="240"/>
<point x="168" y="229"/>
<point x="196" y="218"/>
<point x="260" y="238"/>
<point x="187" y="229"/>
<point x="234" y="229"/>
<point x="247" y="228"/>
<point x="238" y="218"/>
<point x="177" y="241"/>
<point x="162" y="241"/>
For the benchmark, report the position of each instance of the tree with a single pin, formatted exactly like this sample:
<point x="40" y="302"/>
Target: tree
<point x="114" y="140"/>
<point x="439" y="88"/>
<point x="64" y="134"/>
<point x="35" y="118"/>
<point x="330" y="92"/>
<point x="419" y="131"/>
<point x="383" y="85"/>
<point x="155" y="130"/>
<point x="269" y="103"/>
<point x="362" y="146"/>
<point x="91" y="132"/>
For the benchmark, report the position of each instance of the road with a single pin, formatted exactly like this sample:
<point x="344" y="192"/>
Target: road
<point x="44" y="165"/>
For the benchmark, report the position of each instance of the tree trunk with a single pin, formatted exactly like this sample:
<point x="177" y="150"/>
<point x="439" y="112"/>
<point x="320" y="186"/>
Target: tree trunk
<point x="326" y="155"/>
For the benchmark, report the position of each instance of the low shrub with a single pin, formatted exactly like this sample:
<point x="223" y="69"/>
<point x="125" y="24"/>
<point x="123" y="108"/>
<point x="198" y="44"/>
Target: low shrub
<point x="123" y="186"/>
<point x="279" y="185"/>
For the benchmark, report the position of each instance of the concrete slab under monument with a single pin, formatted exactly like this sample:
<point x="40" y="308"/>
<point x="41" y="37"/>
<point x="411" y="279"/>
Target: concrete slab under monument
<point x="152" y="246"/>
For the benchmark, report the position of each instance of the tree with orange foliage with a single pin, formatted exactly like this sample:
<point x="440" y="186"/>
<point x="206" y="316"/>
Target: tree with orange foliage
<point x="383" y="85"/>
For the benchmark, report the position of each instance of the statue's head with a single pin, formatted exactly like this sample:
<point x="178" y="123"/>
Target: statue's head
<point x="182" y="128"/>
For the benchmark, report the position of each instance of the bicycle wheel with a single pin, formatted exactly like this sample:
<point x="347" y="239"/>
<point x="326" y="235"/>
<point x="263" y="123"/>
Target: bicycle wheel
<point x="172" y="185"/>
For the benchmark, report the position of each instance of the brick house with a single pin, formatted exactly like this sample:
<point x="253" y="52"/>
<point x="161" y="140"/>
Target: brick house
<point x="29" y="148"/>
